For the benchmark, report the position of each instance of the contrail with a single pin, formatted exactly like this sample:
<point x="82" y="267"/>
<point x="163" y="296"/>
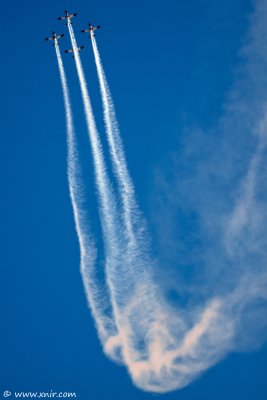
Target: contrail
<point x="117" y="268"/>
<point x="138" y="317"/>
<point x="159" y="349"/>
<point x="97" y="296"/>
<point x="107" y="202"/>
<point x="162" y="348"/>
<point x="134" y="225"/>
<point x="116" y="149"/>
<point x="165" y="346"/>
<point x="127" y="273"/>
<point x="136" y="237"/>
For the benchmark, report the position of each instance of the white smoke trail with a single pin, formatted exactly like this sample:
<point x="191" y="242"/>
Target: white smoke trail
<point x="97" y="297"/>
<point x="107" y="202"/>
<point x="117" y="269"/>
<point x="130" y="209"/>
<point x="123" y="270"/>
<point x="161" y="350"/>
<point x="136" y="237"/>
<point x="161" y="346"/>
<point x="164" y="348"/>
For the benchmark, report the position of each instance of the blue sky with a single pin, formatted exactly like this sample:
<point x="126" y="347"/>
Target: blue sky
<point x="171" y="66"/>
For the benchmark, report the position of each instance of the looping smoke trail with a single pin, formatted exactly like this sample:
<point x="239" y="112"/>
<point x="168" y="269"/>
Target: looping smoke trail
<point x="97" y="296"/>
<point x="160" y="351"/>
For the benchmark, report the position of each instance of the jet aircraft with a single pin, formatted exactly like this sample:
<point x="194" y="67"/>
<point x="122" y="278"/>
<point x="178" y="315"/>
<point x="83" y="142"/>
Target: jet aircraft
<point x="72" y="51"/>
<point x="67" y="16"/>
<point x="55" y="37"/>
<point x="91" y="29"/>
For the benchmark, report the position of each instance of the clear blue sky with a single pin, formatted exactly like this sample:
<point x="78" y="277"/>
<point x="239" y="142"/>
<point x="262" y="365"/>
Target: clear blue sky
<point x="169" y="63"/>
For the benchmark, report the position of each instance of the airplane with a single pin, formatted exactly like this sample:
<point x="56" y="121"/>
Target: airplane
<point x="55" y="37"/>
<point x="67" y="16"/>
<point x="72" y="51"/>
<point x="91" y="29"/>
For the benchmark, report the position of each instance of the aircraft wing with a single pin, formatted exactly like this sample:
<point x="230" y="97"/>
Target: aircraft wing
<point x="62" y="18"/>
<point x="72" y="15"/>
<point x="72" y="51"/>
<point x="60" y="36"/>
<point x="85" y="30"/>
<point x="49" y="38"/>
